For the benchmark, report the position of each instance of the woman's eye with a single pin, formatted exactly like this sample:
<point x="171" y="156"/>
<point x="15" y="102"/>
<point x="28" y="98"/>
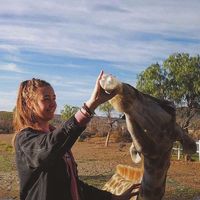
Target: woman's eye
<point x="46" y="99"/>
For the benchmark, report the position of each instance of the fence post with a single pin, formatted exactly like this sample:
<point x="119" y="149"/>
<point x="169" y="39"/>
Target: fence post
<point x="179" y="151"/>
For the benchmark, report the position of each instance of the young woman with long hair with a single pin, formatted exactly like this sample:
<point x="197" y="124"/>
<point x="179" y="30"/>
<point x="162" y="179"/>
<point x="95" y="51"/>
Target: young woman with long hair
<point x="45" y="164"/>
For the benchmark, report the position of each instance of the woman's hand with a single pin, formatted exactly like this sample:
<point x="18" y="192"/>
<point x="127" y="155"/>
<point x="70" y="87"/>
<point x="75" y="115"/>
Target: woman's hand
<point x="98" y="96"/>
<point x="127" y="194"/>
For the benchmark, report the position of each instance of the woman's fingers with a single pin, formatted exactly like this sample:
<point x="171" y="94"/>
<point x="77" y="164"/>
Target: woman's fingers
<point x="98" y="95"/>
<point x="134" y="186"/>
<point x="133" y="194"/>
<point x="100" y="75"/>
<point x="97" y="86"/>
<point x="128" y="193"/>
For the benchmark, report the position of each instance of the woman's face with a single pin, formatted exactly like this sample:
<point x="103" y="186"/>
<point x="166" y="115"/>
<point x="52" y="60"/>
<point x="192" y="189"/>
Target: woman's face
<point x="44" y="105"/>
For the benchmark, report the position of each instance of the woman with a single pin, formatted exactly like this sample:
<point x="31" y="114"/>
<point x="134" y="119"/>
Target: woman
<point x="45" y="164"/>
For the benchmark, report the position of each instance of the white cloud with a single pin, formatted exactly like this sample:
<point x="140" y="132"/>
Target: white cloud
<point x="8" y="48"/>
<point x="130" y="35"/>
<point x="11" y="67"/>
<point x="102" y="30"/>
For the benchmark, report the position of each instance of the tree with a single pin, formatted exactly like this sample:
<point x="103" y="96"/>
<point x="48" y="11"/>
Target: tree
<point x="183" y="75"/>
<point x="6" y="119"/>
<point x="107" y="109"/>
<point x="152" y="81"/>
<point x="68" y="111"/>
<point x="178" y="80"/>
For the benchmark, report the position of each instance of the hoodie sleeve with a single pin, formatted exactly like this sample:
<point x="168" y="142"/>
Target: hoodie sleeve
<point x="42" y="149"/>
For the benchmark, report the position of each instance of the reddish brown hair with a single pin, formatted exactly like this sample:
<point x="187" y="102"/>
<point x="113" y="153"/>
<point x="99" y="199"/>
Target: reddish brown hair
<point x="23" y="115"/>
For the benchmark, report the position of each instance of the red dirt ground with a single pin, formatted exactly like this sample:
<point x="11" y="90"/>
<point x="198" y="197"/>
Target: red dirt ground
<point x="95" y="160"/>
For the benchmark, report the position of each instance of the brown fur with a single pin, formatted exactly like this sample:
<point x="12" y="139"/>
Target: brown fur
<point x="152" y="125"/>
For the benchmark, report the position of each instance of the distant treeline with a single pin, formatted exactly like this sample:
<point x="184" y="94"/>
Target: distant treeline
<point x="6" y="119"/>
<point x="95" y="126"/>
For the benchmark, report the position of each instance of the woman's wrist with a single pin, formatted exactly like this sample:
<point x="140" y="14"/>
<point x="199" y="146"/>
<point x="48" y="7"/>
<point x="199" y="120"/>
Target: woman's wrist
<point x="88" y="109"/>
<point x="81" y="118"/>
<point x="91" y="105"/>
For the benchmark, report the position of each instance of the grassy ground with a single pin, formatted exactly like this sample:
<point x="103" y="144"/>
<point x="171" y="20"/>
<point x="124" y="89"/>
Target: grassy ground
<point x="96" y="164"/>
<point x="9" y="187"/>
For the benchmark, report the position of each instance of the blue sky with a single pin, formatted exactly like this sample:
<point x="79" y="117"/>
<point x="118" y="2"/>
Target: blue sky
<point x="68" y="42"/>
